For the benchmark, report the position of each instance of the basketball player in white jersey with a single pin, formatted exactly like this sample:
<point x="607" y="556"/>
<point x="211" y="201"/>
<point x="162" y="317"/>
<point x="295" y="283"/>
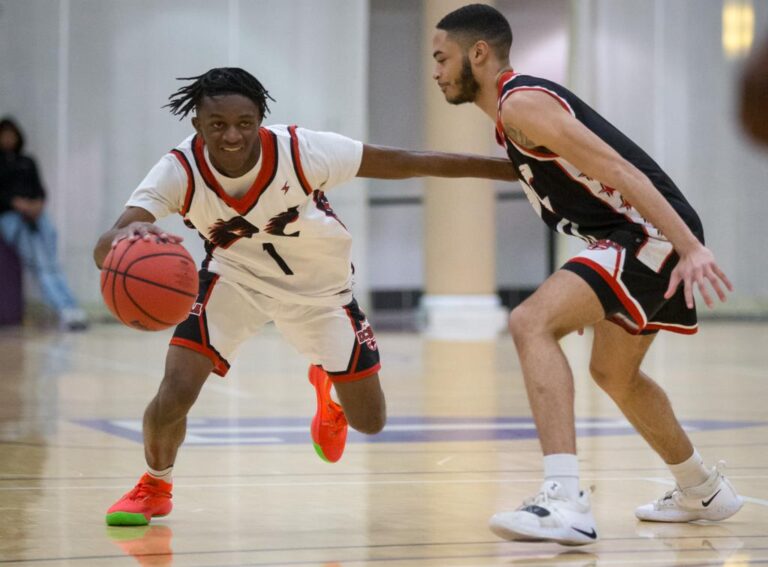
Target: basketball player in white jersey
<point x="276" y="252"/>
<point x="645" y="256"/>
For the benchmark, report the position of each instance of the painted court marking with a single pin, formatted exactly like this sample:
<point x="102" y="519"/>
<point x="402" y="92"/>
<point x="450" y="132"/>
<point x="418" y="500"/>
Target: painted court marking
<point x="293" y="430"/>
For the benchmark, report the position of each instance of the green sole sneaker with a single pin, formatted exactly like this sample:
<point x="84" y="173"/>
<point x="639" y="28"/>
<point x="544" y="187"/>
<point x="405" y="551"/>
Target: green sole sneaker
<point x="126" y="519"/>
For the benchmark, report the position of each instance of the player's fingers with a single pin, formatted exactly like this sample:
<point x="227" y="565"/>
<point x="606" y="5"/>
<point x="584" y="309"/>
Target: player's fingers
<point x="688" y="293"/>
<point x="674" y="281"/>
<point x="705" y="293"/>
<point x="118" y="238"/>
<point x="715" y="283"/>
<point x="720" y="274"/>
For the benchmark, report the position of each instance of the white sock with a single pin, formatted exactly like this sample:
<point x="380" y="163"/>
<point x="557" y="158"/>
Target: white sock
<point x="690" y="472"/>
<point x="564" y="469"/>
<point x="166" y="475"/>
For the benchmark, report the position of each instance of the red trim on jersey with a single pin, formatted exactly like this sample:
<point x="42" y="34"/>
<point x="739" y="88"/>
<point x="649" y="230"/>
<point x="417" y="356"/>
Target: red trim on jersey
<point x="203" y="333"/>
<point x="297" y="160"/>
<point x="674" y="329"/>
<point x="220" y="366"/>
<point x="617" y="290"/>
<point x="355" y="376"/>
<point x="617" y="267"/>
<point x="665" y="260"/>
<point x="505" y="76"/>
<point x="533" y="153"/>
<point x="545" y="90"/>
<point x="242" y="205"/>
<point x="622" y="322"/>
<point x="190" y="181"/>
<point x="358" y="347"/>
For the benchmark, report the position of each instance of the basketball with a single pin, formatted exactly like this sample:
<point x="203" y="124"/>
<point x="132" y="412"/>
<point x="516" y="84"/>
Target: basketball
<point x="148" y="284"/>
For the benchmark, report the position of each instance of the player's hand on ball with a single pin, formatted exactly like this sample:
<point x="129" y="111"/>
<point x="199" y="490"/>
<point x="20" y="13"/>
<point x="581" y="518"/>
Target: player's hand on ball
<point x="145" y="231"/>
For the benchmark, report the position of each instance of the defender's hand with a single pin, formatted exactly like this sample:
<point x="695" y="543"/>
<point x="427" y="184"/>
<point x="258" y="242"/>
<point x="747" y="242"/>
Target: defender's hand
<point x="694" y="269"/>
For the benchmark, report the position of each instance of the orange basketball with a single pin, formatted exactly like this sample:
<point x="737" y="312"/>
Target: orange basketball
<point x="149" y="284"/>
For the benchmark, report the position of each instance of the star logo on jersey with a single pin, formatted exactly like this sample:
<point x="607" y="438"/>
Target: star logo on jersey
<point x="607" y="190"/>
<point x="625" y="204"/>
<point x="285" y="188"/>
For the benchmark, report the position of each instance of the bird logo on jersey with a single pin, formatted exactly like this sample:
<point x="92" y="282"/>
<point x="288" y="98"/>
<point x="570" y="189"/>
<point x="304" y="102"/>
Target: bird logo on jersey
<point x="365" y="335"/>
<point x="224" y="233"/>
<point x="277" y="224"/>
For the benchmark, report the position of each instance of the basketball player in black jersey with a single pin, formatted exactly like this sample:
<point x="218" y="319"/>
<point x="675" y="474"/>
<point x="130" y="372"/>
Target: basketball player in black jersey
<point x="645" y="256"/>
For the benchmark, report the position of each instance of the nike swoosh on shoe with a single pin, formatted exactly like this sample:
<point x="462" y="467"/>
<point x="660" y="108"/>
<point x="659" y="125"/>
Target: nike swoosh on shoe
<point x="706" y="503"/>
<point x="592" y="534"/>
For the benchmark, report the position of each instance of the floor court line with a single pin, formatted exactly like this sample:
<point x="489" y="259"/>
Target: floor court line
<point x="369" y="482"/>
<point x="587" y="554"/>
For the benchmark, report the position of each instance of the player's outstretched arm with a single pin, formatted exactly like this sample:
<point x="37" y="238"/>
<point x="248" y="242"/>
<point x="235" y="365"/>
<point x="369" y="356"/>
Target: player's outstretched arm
<point x="134" y="223"/>
<point x="542" y="121"/>
<point x="383" y="162"/>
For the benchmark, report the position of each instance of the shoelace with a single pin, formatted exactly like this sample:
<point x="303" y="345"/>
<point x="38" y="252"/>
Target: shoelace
<point x="543" y="498"/>
<point x="335" y="419"/>
<point x="143" y="490"/>
<point x="669" y="495"/>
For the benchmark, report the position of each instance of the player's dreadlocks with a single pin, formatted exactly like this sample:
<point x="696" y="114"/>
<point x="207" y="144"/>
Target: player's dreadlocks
<point x="216" y="82"/>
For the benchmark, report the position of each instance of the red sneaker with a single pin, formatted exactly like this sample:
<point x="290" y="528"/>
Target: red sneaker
<point x="150" y="498"/>
<point x="329" y="426"/>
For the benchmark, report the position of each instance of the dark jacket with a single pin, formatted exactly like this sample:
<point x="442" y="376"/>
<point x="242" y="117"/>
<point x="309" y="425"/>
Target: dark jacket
<point x="18" y="178"/>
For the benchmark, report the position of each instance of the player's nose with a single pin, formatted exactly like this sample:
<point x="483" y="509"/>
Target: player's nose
<point x="232" y="135"/>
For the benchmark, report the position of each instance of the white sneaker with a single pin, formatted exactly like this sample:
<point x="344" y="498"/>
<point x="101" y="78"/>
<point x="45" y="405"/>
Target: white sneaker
<point x="549" y="516"/>
<point x="714" y="499"/>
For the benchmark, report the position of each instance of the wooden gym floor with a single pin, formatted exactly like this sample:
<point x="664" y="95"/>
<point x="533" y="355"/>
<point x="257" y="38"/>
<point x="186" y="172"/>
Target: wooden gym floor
<point x="460" y="445"/>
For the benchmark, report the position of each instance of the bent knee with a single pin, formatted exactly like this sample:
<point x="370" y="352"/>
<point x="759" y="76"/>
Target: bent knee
<point x="522" y="321"/>
<point x="615" y="383"/>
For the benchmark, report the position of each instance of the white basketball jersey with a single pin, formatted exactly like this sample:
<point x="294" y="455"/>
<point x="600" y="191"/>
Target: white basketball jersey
<point x="280" y="237"/>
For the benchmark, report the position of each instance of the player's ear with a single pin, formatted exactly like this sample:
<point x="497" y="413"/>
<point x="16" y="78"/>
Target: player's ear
<point x="479" y="52"/>
<point x="196" y="124"/>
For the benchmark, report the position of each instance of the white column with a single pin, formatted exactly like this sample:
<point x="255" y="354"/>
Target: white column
<point x="460" y="232"/>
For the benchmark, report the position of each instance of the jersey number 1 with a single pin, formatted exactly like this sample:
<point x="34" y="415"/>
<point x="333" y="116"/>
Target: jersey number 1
<point x="270" y="249"/>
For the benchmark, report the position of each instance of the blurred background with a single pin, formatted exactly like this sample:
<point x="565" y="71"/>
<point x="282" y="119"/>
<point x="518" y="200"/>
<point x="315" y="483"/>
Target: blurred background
<point x="87" y="79"/>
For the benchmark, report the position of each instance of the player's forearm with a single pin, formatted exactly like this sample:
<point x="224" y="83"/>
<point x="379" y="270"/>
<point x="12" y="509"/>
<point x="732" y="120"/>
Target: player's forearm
<point x="394" y="163"/>
<point x="466" y="165"/>
<point x="651" y="204"/>
<point x="133" y="220"/>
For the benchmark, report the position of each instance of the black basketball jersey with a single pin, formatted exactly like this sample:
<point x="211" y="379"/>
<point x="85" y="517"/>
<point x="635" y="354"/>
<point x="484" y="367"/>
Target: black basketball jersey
<point x="565" y="198"/>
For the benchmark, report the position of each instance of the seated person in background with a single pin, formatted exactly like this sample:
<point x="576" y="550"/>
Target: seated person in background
<point x="27" y="229"/>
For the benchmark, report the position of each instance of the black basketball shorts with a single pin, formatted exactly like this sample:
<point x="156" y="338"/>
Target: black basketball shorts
<point x="630" y="274"/>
